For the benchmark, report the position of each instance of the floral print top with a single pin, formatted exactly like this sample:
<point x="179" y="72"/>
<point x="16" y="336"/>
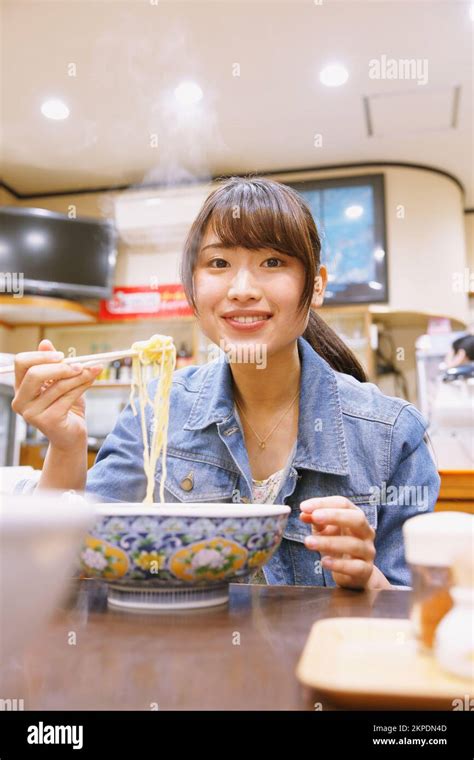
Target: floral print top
<point x="265" y="491"/>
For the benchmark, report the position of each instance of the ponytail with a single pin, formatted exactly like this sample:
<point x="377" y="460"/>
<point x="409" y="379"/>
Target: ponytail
<point x="328" y="345"/>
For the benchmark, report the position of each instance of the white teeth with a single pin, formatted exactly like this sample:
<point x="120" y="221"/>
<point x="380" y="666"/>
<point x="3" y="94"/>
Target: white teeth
<point x="247" y="319"/>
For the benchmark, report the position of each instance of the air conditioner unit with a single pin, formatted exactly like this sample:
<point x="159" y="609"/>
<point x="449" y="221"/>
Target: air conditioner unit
<point x="161" y="219"/>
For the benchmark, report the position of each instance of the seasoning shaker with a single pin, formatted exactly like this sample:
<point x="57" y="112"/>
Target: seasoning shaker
<point x="432" y="542"/>
<point x="454" y="637"/>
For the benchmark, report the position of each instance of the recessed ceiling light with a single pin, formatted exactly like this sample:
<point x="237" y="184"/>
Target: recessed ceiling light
<point x="334" y="75"/>
<point x="188" y="93"/>
<point x="354" y="212"/>
<point x="55" y="109"/>
<point x="35" y="239"/>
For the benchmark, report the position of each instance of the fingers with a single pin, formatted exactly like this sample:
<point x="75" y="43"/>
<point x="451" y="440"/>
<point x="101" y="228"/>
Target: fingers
<point x="69" y="399"/>
<point x="27" y="359"/>
<point x="326" y="502"/>
<point x="343" y="536"/>
<point x="335" y="546"/>
<point x="318" y="526"/>
<point x="329" y="530"/>
<point x="353" y="520"/>
<point x="320" y="530"/>
<point x="351" y="573"/>
<point x="65" y="402"/>
<point x="311" y="506"/>
<point x="37" y="376"/>
<point x="61" y="388"/>
<point x="45" y="345"/>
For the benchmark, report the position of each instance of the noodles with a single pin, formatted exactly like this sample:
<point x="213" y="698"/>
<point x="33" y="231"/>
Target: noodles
<point x="157" y="357"/>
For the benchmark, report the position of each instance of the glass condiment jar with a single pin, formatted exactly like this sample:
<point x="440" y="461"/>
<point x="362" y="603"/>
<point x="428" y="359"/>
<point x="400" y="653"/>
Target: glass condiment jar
<point x="432" y="541"/>
<point x="454" y="637"/>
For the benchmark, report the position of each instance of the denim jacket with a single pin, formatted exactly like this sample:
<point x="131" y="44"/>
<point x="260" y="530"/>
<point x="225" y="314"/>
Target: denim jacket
<point x="353" y="441"/>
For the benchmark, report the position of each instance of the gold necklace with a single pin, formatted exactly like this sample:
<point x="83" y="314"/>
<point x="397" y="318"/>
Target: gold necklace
<point x="261" y="441"/>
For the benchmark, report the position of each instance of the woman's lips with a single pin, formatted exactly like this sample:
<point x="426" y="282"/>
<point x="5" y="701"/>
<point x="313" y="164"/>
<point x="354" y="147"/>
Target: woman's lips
<point x="246" y="326"/>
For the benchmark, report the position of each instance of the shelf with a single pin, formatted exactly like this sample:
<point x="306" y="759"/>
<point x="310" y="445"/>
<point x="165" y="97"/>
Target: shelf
<point x="382" y="314"/>
<point x="409" y="319"/>
<point x="43" y="311"/>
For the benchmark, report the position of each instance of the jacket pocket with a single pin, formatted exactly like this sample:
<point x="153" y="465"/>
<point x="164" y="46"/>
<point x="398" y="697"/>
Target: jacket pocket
<point x="369" y="509"/>
<point x="189" y="480"/>
<point x="297" y="531"/>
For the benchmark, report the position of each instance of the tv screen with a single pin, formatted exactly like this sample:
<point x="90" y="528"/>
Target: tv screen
<point x="57" y="255"/>
<point x="350" y="216"/>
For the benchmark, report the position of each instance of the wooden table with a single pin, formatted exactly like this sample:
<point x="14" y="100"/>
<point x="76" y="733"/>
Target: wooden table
<point x="240" y="656"/>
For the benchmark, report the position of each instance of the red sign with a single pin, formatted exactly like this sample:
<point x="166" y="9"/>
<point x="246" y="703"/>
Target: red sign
<point x="145" y="302"/>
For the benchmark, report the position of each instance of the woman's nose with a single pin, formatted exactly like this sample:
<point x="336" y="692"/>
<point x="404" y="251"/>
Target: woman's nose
<point x="243" y="285"/>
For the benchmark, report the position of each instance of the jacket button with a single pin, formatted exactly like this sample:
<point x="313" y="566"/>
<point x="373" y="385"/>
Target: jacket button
<point x="188" y="482"/>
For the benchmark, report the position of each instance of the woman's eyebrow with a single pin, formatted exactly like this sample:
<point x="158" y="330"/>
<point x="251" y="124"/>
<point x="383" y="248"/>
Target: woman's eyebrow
<point x="212" y="245"/>
<point x="262" y="250"/>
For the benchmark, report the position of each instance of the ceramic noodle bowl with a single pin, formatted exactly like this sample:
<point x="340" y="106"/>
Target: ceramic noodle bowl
<point x="175" y="555"/>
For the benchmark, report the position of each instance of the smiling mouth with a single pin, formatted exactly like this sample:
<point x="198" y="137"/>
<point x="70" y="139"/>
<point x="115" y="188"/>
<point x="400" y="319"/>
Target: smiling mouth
<point x="248" y="320"/>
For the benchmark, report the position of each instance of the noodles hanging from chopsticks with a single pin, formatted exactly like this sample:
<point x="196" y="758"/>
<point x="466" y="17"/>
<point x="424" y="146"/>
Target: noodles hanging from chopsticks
<point x="158" y="355"/>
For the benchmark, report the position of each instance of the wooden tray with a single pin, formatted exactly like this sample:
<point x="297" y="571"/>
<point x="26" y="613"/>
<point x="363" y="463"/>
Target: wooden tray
<point x="375" y="663"/>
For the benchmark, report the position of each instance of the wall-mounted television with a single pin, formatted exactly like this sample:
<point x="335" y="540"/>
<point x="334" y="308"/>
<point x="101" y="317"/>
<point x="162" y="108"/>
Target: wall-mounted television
<point x="57" y="255"/>
<point x="350" y="216"/>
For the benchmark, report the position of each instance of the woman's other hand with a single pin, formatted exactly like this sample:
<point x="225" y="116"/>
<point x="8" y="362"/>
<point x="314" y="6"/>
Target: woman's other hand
<point x="342" y="535"/>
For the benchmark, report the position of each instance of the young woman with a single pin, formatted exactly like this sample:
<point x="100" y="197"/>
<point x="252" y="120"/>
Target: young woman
<point x="300" y="426"/>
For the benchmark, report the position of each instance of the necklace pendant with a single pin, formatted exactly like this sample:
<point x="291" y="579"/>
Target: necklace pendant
<point x="262" y="444"/>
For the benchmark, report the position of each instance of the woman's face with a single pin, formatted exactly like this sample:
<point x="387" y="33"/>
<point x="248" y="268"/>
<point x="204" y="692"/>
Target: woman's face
<point x="233" y="282"/>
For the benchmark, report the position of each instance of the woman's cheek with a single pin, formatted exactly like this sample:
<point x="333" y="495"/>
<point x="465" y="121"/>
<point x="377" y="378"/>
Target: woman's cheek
<point x="208" y="294"/>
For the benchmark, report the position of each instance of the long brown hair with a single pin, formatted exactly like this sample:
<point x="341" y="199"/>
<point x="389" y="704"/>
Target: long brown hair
<point x="254" y="213"/>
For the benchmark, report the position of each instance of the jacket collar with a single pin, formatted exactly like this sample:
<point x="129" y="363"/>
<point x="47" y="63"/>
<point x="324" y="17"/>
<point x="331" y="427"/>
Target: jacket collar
<point x="321" y="442"/>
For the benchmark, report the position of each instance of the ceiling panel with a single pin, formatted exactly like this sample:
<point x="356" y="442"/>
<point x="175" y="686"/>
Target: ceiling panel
<point x="129" y="57"/>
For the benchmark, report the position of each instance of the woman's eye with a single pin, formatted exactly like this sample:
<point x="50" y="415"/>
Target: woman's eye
<point x="217" y="261"/>
<point x="222" y="263"/>
<point x="278" y="261"/>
